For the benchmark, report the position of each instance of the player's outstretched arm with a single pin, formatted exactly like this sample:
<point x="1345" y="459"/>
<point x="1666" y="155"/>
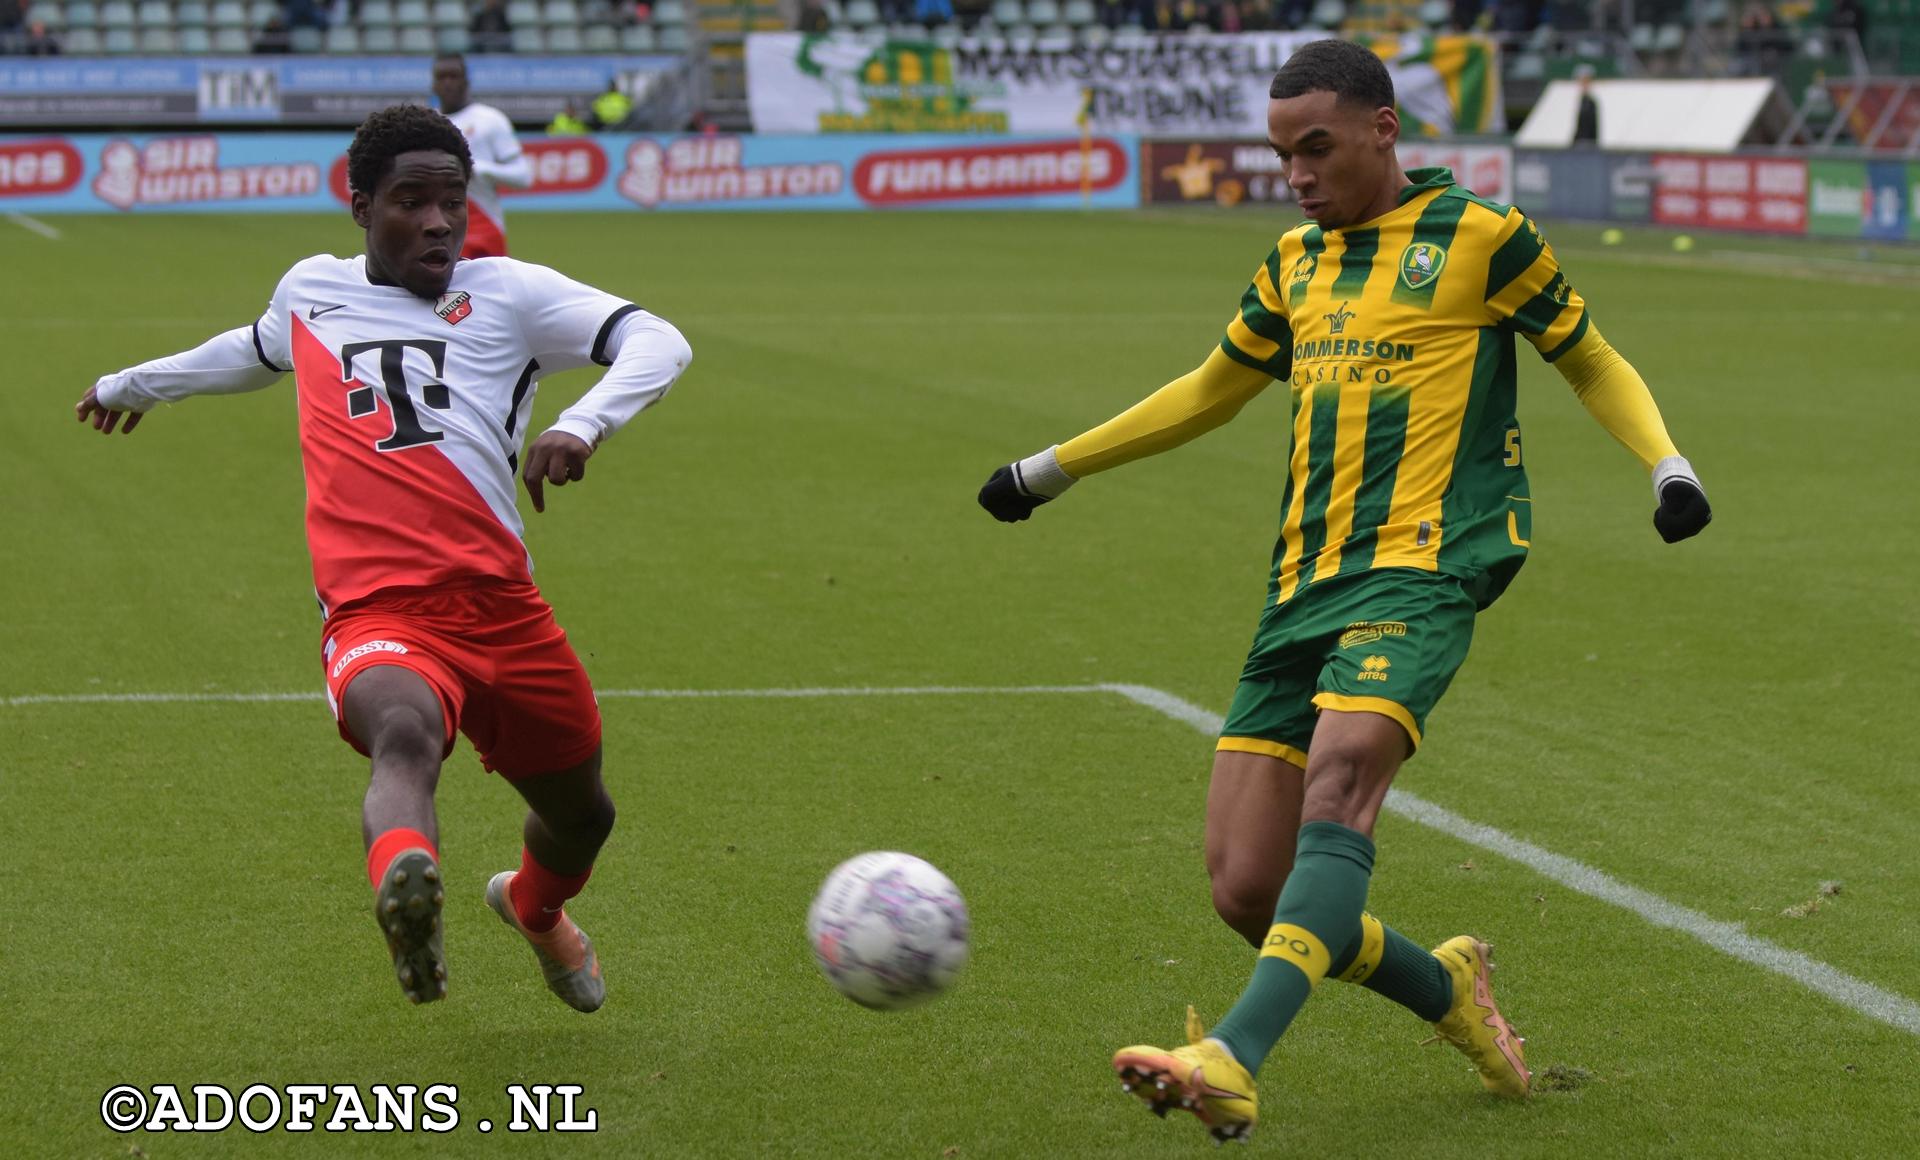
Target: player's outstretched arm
<point x="225" y="364"/>
<point x="1184" y="409"/>
<point x="648" y="355"/>
<point x="1615" y="394"/>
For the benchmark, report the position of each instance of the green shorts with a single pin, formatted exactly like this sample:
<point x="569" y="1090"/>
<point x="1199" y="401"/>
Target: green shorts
<point x="1385" y="641"/>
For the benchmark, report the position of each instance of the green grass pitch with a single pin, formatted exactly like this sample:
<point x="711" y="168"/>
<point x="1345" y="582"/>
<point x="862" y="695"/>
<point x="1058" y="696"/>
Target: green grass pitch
<point x="1717" y="723"/>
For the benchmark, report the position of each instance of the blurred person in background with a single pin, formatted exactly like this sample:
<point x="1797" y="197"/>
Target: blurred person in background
<point x="40" y="42"/>
<point x="610" y="109"/>
<point x="1586" y="125"/>
<point x="490" y="29"/>
<point x="568" y="122"/>
<point x="814" y="18"/>
<point x="498" y="159"/>
<point x="10" y="30"/>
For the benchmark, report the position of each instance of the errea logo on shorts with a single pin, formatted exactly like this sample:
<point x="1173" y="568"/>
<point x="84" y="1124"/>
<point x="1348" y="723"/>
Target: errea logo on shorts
<point x="360" y="650"/>
<point x="1374" y="668"/>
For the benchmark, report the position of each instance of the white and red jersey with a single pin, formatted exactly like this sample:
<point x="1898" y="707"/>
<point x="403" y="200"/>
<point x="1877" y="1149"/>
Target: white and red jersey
<point x="497" y="160"/>
<point x="413" y="412"/>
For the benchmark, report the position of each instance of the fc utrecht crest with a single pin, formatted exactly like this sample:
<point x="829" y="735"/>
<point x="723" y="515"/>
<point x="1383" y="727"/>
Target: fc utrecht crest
<point x="1421" y="263"/>
<point x="454" y="307"/>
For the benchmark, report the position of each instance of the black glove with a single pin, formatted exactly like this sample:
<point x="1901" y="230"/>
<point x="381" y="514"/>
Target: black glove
<point x="1005" y="499"/>
<point x="1683" y="509"/>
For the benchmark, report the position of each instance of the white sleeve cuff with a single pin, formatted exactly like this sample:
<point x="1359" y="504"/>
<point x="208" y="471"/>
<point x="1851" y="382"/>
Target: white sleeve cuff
<point x="1042" y="474"/>
<point x="1671" y="468"/>
<point x="114" y="393"/>
<point x="580" y="429"/>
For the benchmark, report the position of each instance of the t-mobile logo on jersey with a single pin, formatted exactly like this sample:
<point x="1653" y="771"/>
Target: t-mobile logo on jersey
<point x="361" y="401"/>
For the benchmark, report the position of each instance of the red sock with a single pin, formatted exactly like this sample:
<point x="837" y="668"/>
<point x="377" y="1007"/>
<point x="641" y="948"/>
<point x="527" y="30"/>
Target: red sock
<point x="380" y="855"/>
<point x="538" y="894"/>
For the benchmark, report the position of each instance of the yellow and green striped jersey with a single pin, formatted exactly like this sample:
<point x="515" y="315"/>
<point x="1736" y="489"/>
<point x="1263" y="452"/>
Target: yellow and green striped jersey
<point x="1396" y="335"/>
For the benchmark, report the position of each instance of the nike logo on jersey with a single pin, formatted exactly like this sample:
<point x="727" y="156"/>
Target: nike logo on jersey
<point x="314" y="312"/>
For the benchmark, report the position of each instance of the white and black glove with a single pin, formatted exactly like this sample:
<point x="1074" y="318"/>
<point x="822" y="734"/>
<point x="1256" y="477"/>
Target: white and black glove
<point x="1683" y="509"/>
<point x="1012" y="492"/>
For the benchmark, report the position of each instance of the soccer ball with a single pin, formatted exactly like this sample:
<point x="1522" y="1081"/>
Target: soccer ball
<point x="888" y="930"/>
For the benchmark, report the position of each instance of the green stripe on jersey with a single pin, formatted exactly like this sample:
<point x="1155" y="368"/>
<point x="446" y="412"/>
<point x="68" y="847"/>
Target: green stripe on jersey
<point x="1315" y="244"/>
<point x="1511" y="260"/>
<point x="1356" y="263"/>
<point x="1380" y="470"/>
<point x="1437" y="225"/>
<point x="1539" y="312"/>
<point x="1319" y="491"/>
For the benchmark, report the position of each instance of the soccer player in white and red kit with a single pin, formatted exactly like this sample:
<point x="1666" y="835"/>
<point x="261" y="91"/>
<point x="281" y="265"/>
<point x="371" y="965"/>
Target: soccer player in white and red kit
<point x="498" y="159"/>
<point x="415" y="373"/>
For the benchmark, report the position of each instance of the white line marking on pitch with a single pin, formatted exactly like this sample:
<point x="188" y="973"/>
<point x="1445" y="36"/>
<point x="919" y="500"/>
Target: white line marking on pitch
<point x="1729" y="938"/>
<point x="34" y="225"/>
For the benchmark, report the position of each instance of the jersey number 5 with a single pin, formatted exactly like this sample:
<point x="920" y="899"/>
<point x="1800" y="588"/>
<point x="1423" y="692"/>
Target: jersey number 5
<point x="408" y="431"/>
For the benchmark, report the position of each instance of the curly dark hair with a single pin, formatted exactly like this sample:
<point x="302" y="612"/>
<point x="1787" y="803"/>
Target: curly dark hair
<point x="1349" y="71"/>
<point x="399" y="129"/>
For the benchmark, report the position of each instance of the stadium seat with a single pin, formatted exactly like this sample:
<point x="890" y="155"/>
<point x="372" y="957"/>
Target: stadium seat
<point x="836" y="16"/>
<point x="1079" y="13"/>
<point x="1641" y="38"/>
<point x="47" y="14"/>
<point x="1526" y="66"/>
<point x="563" y="40"/>
<point x="600" y="38"/>
<point x="1042" y="12"/>
<point x="343" y="39"/>
<point x="158" y="42"/>
<point x="861" y="13"/>
<point x="454" y="40"/>
<point x="529" y="40"/>
<point x="417" y="41"/>
<point x="636" y="38"/>
<point x="262" y="12"/>
<point x="306" y="39"/>
<point x="376" y="14"/>
<point x="154" y="14"/>
<point x="560" y="14"/>
<point x="232" y="42"/>
<point x="412" y="14"/>
<point x="116" y="14"/>
<point x="227" y="14"/>
<point x="1094" y="35"/>
<point x="119" y="42"/>
<point x="1008" y="13"/>
<point x="522" y="14"/>
<point x="1327" y="14"/>
<point x="673" y="38"/>
<point x="384" y="41"/>
<point x="450" y="14"/>
<point x="82" y="42"/>
<point x="946" y="35"/>
<point x="195" y="41"/>
<point x="669" y="12"/>
<point x="1436" y="13"/>
<point x="1669" y="38"/>
<point x="1021" y="38"/>
<point x="190" y="14"/>
<point x="1130" y="36"/>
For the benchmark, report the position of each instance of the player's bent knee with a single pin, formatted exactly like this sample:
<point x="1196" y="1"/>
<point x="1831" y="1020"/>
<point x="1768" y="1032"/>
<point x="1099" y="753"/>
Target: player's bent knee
<point x="1245" y="904"/>
<point x="405" y="734"/>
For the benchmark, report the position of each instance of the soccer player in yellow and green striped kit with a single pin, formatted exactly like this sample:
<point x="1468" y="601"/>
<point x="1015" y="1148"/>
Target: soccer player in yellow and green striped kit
<point x="1391" y="314"/>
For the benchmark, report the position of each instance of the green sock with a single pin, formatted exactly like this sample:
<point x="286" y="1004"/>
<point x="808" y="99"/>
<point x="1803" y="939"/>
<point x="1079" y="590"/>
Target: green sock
<point x="1383" y="960"/>
<point x="1320" y="907"/>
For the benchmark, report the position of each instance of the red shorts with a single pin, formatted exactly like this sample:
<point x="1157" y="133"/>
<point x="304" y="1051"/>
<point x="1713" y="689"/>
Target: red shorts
<point x="502" y="669"/>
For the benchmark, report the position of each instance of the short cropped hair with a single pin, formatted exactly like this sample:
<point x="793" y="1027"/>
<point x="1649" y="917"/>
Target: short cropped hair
<point x="1349" y="71"/>
<point x="399" y="129"/>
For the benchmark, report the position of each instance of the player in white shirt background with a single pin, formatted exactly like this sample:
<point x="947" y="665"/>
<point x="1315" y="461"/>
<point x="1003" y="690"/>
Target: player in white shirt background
<point x="498" y="159"/>
<point x="415" y="373"/>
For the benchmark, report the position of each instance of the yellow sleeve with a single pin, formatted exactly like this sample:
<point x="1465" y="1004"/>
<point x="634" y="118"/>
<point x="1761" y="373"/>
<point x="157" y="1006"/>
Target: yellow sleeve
<point x="1189" y="406"/>
<point x="1615" y="394"/>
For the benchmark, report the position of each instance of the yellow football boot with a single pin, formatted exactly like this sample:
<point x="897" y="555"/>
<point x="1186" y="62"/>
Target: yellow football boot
<point x="1475" y="1025"/>
<point x="1202" y="1078"/>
